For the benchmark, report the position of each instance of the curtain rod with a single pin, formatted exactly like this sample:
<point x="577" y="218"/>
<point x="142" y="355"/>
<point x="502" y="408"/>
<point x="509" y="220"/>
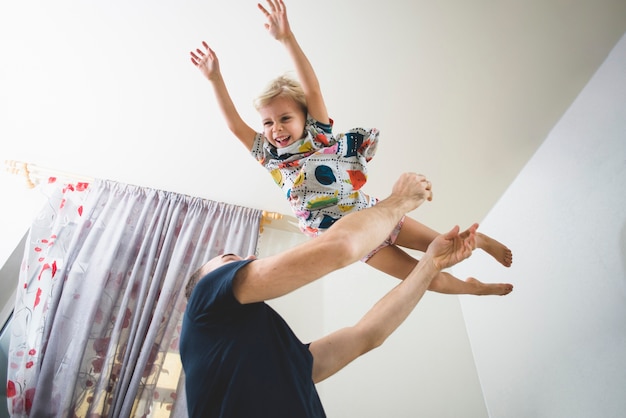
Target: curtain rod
<point x="35" y="175"/>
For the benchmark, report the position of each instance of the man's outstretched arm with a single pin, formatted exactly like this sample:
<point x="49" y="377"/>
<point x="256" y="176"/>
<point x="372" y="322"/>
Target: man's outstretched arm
<point x="335" y="351"/>
<point x="346" y="242"/>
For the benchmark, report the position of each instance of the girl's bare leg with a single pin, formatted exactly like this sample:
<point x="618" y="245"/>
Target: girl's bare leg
<point x="397" y="263"/>
<point x="418" y="236"/>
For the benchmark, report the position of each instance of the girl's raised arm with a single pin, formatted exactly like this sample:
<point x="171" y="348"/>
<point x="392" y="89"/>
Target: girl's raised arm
<point x="208" y="64"/>
<point x="278" y="26"/>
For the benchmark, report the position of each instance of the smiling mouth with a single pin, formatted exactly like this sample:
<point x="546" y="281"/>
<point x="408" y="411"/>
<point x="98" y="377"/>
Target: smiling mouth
<point x="282" y="141"/>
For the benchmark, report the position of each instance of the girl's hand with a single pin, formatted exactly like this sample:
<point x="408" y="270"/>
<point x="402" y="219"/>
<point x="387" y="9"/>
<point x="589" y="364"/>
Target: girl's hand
<point x="206" y="62"/>
<point x="277" y="24"/>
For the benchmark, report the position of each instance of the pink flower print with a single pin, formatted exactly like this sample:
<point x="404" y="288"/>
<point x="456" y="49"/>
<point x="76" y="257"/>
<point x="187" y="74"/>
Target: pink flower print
<point x="11" y="392"/>
<point x="80" y="211"/>
<point x="52" y="180"/>
<point x="100" y="346"/>
<point x="134" y="291"/>
<point x="32" y="352"/>
<point x="81" y="187"/>
<point x="62" y="205"/>
<point x="54" y="268"/>
<point x="29" y="364"/>
<point x="44" y="268"/>
<point x="126" y="321"/>
<point x="29" y="395"/>
<point x="97" y="364"/>
<point x="37" y="297"/>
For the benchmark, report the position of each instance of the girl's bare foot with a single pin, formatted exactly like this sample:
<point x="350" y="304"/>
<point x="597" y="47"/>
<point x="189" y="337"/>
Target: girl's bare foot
<point x="500" y="289"/>
<point x="494" y="248"/>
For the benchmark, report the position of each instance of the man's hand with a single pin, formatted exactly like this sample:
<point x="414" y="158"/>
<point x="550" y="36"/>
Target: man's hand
<point x="206" y="62"/>
<point x="277" y="24"/>
<point x="412" y="190"/>
<point x="448" y="249"/>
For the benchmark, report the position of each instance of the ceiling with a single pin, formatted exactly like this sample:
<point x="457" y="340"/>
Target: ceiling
<point x="462" y="91"/>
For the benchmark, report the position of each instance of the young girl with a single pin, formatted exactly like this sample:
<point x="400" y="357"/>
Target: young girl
<point x="320" y="173"/>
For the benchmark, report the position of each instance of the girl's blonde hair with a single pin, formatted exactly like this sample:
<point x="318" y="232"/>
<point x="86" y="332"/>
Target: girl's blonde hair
<point x="284" y="86"/>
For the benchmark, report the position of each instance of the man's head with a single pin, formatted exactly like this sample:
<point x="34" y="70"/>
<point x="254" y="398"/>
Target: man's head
<point x="208" y="267"/>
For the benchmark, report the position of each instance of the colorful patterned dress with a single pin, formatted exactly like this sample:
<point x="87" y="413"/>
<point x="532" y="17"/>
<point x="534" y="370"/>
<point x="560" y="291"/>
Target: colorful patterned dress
<point x="320" y="174"/>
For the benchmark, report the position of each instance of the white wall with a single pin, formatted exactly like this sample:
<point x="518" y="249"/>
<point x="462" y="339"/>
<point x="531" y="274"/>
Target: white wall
<point x="556" y="347"/>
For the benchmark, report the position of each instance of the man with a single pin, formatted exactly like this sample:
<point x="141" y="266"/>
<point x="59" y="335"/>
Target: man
<point x="240" y="357"/>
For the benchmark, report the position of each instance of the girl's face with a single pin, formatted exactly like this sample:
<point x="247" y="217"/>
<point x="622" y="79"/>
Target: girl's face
<point x="283" y="121"/>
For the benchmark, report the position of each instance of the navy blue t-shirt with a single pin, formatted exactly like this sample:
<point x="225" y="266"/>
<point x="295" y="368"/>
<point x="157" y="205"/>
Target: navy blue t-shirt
<point x="242" y="360"/>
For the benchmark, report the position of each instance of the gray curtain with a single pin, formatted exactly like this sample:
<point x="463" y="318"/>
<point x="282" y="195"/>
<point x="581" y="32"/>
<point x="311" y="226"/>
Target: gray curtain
<point x="101" y="297"/>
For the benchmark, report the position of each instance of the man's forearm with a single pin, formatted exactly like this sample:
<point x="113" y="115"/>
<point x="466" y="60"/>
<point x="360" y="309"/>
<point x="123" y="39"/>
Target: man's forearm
<point x="364" y="230"/>
<point x="393" y="309"/>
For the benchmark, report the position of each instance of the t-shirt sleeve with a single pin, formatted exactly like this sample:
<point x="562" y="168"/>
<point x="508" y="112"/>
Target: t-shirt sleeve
<point x="258" y="150"/>
<point x="364" y="141"/>
<point x="370" y="143"/>
<point x="213" y="296"/>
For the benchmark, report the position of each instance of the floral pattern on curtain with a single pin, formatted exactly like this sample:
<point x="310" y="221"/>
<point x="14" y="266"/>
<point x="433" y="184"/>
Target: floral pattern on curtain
<point x="101" y="297"/>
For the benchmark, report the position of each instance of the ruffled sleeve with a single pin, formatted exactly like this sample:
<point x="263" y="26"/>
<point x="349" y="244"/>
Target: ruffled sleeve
<point x="370" y="144"/>
<point x="362" y="141"/>
<point x="260" y="150"/>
